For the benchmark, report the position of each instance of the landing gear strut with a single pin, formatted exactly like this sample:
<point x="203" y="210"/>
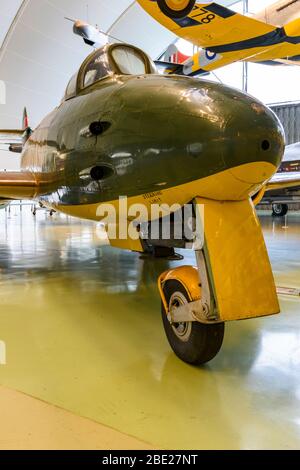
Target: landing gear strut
<point x="280" y="210"/>
<point x="197" y="300"/>
<point x="189" y="314"/>
<point x="176" y="8"/>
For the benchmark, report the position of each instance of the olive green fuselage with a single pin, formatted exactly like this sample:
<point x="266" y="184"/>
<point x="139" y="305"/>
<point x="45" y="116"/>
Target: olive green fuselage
<point x="162" y="132"/>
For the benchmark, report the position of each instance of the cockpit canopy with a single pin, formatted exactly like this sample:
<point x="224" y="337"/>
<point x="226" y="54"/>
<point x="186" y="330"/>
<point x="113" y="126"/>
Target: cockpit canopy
<point x="112" y="59"/>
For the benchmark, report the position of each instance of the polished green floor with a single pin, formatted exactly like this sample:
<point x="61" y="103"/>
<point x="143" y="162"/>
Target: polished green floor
<point x="82" y="328"/>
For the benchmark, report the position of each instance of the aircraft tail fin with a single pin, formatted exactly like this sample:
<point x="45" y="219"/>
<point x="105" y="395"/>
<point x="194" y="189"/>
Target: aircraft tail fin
<point x="15" y="139"/>
<point x="25" y="121"/>
<point x="26" y="127"/>
<point x="173" y="55"/>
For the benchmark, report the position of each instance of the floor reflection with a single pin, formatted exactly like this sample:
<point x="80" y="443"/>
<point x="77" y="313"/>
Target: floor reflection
<point x="82" y="326"/>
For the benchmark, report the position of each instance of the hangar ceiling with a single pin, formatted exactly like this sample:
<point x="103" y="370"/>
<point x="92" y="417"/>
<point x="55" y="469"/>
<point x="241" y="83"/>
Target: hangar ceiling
<point x="39" y="52"/>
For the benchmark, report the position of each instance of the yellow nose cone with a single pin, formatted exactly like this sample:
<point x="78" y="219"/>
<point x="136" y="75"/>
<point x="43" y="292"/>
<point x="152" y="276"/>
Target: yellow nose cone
<point x="254" y="173"/>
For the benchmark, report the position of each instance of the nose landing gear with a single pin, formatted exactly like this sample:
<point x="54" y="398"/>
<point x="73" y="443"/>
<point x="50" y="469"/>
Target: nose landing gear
<point x="194" y="342"/>
<point x="233" y="280"/>
<point x="280" y="210"/>
<point x="176" y="9"/>
<point x="189" y="314"/>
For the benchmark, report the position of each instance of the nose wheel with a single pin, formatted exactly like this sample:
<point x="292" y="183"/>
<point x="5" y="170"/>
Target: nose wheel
<point x="176" y="9"/>
<point x="280" y="210"/>
<point x="193" y="342"/>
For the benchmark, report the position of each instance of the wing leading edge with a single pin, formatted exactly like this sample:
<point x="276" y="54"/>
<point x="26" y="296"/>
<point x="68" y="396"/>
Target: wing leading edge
<point x="227" y="36"/>
<point x="284" y="180"/>
<point x="12" y="140"/>
<point x="210" y="25"/>
<point x="287" y="179"/>
<point x="18" y="185"/>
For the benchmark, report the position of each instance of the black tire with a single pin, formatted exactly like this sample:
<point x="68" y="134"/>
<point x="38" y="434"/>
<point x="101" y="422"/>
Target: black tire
<point x="177" y="14"/>
<point x="202" y="343"/>
<point x="280" y="210"/>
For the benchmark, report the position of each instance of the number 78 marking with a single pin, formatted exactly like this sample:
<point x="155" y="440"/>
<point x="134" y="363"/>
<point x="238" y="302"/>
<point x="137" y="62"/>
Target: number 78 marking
<point x="207" y="19"/>
<point x="203" y="11"/>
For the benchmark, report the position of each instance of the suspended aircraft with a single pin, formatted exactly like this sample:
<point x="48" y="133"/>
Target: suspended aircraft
<point x="122" y="129"/>
<point x="91" y="35"/>
<point x="271" y="37"/>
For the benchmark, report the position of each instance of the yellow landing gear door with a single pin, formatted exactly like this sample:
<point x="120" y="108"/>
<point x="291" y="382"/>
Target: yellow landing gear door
<point x="237" y="260"/>
<point x="125" y="237"/>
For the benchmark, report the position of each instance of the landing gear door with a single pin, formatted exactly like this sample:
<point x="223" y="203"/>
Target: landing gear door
<point x="237" y="260"/>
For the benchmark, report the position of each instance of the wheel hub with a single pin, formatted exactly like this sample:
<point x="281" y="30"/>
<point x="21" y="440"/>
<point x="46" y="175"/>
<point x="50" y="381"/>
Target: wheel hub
<point x="182" y="330"/>
<point x="277" y="208"/>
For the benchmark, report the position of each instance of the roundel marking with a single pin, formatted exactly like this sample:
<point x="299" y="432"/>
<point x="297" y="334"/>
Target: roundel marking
<point x="210" y="55"/>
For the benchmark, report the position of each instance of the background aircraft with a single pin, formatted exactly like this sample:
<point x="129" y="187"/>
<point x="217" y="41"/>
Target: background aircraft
<point x="224" y="36"/>
<point x="280" y="197"/>
<point x="91" y="35"/>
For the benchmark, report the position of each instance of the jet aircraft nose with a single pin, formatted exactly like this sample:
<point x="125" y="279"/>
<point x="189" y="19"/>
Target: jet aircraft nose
<point x="237" y="137"/>
<point x="196" y="133"/>
<point x="255" y="141"/>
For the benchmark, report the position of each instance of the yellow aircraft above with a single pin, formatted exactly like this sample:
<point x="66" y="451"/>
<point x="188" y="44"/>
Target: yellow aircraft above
<point x="224" y="36"/>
